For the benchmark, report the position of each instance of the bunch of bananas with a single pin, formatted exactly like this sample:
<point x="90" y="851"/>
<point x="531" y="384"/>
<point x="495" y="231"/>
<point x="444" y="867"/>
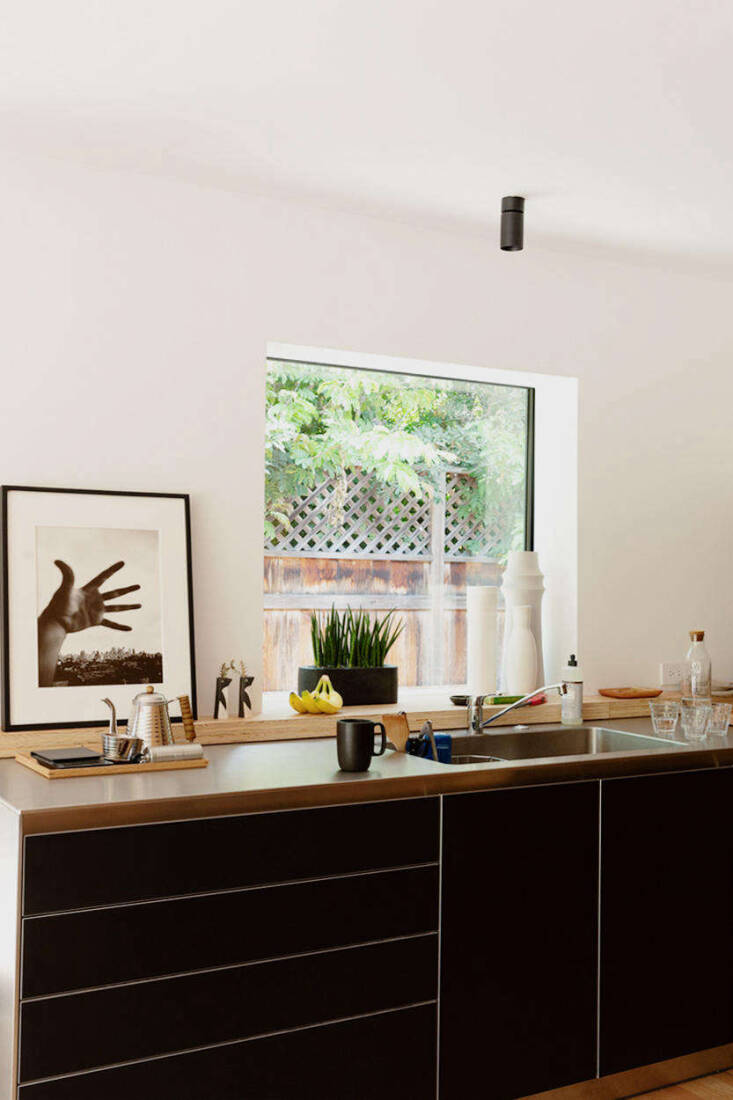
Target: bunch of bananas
<point x="324" y="699"/>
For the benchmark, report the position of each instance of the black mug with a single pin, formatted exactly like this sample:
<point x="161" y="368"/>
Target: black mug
<point x="355" y="743"/>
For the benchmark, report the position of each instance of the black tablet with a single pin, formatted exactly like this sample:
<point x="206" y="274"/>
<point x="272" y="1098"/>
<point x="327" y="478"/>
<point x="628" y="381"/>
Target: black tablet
<point x="76" y="757"/>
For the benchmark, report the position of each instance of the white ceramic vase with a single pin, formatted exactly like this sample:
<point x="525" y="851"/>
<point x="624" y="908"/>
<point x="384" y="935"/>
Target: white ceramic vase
<point x="520" y="666"/>
<point x="481" y="620"/>
<point x="523" y="585"/>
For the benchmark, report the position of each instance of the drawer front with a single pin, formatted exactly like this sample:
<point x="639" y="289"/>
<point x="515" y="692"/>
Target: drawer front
<point x="108" y="866"/>
<point x="86" y="1030"/>
<point x="385" y="1057"/>
<point x="95" y="947"/>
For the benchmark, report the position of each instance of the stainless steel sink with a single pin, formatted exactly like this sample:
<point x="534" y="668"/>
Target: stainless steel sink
<point x="528" y="744"/>
<point x="473" y="758"/>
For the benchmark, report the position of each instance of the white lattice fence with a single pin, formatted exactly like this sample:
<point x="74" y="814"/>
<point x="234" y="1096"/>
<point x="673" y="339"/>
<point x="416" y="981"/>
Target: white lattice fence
<point x="466" y="532"/>
<point x="361" y="517"/>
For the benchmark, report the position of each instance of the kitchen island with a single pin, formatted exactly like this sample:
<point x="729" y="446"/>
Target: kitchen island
<point x="270" y="927"/>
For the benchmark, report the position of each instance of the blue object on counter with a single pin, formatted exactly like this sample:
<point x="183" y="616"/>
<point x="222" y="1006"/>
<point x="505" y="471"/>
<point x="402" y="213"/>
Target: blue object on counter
<point x="444" y="745"/>
<point x="420" y="746"/>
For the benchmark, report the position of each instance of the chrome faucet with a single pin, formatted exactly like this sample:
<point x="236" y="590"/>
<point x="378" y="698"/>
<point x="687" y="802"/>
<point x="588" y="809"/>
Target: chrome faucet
<point x="477" y="722"/>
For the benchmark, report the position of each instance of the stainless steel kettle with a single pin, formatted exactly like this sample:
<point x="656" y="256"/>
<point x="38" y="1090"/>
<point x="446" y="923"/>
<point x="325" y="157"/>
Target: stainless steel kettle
<point x="150" y="721"/>
<point x="149" y="718"/>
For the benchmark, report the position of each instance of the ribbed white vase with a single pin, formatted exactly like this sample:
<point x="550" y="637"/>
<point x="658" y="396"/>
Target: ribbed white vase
<point x="520" y="668"/>
<point x="523" y="585"/>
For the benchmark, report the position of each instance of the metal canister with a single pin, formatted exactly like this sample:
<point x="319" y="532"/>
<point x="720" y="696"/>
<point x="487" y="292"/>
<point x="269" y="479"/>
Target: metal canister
<point x="110" y="738"/>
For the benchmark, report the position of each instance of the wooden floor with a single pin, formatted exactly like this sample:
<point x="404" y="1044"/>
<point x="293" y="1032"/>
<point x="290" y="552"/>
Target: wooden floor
<point x="718" y="1086"/>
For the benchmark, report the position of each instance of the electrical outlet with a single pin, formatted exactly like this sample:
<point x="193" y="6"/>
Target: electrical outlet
<point x="670" y="673"/>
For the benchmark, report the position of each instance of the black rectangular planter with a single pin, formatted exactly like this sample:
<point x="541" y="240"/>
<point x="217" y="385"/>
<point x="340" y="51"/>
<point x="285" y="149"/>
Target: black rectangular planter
<point x="357" y="686"/>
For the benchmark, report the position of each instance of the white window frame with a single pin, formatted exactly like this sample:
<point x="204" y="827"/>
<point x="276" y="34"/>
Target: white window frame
<point x="555" y="474"/>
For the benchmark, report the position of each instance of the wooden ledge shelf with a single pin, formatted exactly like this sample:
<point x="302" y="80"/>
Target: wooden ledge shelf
<point x="280" y="723"/>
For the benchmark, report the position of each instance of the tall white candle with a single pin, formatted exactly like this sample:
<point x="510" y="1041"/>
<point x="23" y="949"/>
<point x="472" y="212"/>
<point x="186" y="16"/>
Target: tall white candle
<point x="481" y="639"/>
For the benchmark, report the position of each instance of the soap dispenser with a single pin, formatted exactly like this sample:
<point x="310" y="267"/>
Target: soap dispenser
<point x="571" y="713"/>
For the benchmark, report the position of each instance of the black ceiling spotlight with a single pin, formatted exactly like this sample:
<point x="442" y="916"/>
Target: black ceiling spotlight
<point x="512" y="223"/>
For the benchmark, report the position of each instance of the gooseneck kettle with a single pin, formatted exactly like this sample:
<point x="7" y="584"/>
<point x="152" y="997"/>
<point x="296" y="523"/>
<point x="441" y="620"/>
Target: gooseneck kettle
<point x="150" y="721"/>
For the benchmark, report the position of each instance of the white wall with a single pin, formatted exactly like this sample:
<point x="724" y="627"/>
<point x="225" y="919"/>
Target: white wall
<point x="136" y="313"/>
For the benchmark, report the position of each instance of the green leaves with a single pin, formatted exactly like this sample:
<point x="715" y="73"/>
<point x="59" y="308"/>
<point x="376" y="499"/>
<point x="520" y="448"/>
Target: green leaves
<point x="353" y="639"/>
<point x="328" y="637"/>
<point x="404" y="429"/>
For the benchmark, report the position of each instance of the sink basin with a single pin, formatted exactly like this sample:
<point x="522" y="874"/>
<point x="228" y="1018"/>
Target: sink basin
<point x="528" y="744"/>
<point x="474" y="758"/>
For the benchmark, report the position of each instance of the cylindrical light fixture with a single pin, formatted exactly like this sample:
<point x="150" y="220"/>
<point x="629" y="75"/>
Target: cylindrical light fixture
<point x="512" y="223"/>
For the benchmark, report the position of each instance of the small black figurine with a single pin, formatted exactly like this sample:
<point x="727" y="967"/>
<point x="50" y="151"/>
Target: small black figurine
<point x="245" y="681"/>
<point x="220" y="700"/>
<point x="244" y="699"/>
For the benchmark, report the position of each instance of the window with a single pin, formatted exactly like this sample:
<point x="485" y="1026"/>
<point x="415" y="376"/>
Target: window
<point x="388" y="490"/>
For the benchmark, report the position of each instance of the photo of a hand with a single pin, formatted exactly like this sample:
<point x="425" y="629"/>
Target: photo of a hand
<point x="78" y="608"/>
<point x="72" y="609"/>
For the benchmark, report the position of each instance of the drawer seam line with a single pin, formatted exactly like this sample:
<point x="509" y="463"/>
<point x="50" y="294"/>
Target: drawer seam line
<point x="267" y="960"/>
<point x="224" y="1043"/>
<point x="48" y="913"/>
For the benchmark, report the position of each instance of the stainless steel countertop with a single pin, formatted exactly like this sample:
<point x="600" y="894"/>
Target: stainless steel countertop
<point x="289" y="774"/>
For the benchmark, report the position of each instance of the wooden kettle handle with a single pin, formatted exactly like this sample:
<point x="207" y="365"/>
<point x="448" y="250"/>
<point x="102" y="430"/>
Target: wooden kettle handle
<point x="189" y="730"/>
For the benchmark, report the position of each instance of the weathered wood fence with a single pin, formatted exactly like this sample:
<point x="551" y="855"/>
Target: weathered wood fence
<point x="361" y="545"/>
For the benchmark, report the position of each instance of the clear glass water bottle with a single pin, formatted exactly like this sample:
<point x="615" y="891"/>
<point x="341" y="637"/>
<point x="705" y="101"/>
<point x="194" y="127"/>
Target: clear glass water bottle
<point x="696" y="676"/>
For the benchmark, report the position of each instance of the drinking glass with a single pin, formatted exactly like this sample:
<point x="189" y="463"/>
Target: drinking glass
<point x="720" y="717"/>
<point x="665" y="713"/>
<point x="695" y="715"/>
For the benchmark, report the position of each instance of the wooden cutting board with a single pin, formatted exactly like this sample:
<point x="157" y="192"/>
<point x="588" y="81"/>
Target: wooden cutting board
<point x="109" y="769"/>
<point x="630" y="693"/>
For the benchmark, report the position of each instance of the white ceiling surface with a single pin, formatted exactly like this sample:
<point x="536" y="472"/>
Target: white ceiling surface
<point x="614" y="119"/>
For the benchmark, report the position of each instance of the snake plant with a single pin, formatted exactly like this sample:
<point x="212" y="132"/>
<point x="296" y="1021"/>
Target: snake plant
<point x="351" y="639"/>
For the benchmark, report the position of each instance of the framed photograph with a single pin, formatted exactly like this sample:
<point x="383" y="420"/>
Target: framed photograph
<point x="97" y="601"/>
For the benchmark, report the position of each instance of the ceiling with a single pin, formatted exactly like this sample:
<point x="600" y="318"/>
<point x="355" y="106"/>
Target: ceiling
<point x="614" y="119"/>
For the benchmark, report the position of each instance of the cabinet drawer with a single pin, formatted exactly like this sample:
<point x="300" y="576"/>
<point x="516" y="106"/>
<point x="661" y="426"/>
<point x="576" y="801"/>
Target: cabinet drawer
<point x="107" y="866"/>
<point x="95" y="947"/>
<point x="386" y="1057"/>
<point x="87" y="1030"/>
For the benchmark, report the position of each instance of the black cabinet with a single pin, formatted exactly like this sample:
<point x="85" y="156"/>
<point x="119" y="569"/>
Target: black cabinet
<point x="95" y="867"/>
<point x="80" y="1031"/>
<point x="153" y="939"/>
<point x="386" y="1057"/>
<point x="519" y="940"/>
<point x="666" y="916"/>
<point x="288" y="955"/>
<point x="272" y="956"/>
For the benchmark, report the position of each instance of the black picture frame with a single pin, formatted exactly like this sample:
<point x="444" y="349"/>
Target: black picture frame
<point x="8" y="726"/>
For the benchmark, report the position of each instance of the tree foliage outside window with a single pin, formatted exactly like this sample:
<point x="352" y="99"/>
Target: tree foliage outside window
<point x="405" y="430"/>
